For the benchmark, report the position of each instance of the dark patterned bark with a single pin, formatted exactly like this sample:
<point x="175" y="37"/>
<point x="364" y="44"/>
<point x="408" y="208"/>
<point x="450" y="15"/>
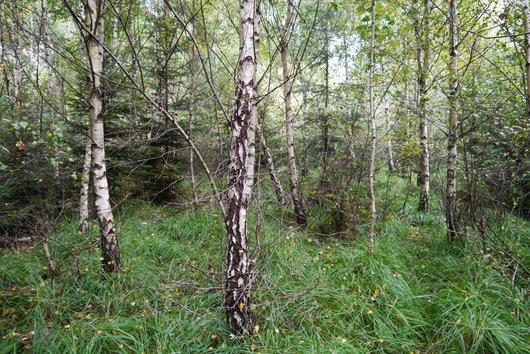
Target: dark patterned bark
<point x="450" y="202"/>
<point x="241" y="175"/>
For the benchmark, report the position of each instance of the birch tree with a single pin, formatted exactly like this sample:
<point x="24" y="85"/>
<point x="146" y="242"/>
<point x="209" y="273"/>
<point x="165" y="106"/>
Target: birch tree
<point x="373" y="136"/>
<point x="296" y="196"/>
<point x="422" y="61"/>
<point x="84" y="210"/>
<point x="3" y="61"/>
<point x="450" y="201"/>
<point x="241" y="173"/>
<point x="94" y="39"/>
<point x="17" y="67"/>
<point x="526" y="17"/>
<point x="193" y="88"/>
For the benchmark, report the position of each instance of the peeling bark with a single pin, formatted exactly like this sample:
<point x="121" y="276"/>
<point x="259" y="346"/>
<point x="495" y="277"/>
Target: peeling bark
<point x="94" y="21"/>
<point x="241" y="174"/>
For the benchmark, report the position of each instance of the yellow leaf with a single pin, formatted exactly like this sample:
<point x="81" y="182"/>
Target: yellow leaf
<point x="241" y="305"/>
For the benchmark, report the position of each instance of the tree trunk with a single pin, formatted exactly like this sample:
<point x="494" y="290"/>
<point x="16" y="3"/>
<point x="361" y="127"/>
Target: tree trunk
<point x="450" y="202"/>
<point x="391" y="165"/>
<point x="306" y="136"/>
<point x="84" y="211"/>
<point x="526" y="13"/>
<point x="422" y="58"/>
<point x="241" y="173"/>
<point x="272" y="171"/>
<point x="349" y="110"/>
<point x="373" y="129"/>
<point x="390" y="149"/>
<point x="17" y="68"/>
<point x="3" y="62"/>
<point x="324" y="182"/>
<point x="296" y="196"/>
<point x="115" y="31"/>
<point x="193" y="87"/>
<point x="94" y="21"/>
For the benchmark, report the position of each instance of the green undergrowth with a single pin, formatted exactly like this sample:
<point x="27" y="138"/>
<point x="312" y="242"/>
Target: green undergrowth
<point x="311" y="294"/>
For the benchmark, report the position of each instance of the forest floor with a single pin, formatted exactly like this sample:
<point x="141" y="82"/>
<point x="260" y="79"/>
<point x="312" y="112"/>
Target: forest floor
<point x="313" y="294"/>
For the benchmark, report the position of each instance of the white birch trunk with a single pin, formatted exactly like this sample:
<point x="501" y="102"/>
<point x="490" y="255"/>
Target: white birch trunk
<point x="422" y="58"/>
<point x="84" y="210"/>
<point x="296" y="195"/>
<point x="241" y="174"/>
<point x="94" y="21"/>
<point x="373" y="131"/>
<point x="526" y="15"/>
<point x="450" y="202"/>
<point x="193" y="87"/>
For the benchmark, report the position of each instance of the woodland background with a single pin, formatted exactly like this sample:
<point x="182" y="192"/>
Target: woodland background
<point x="360" y="264"/>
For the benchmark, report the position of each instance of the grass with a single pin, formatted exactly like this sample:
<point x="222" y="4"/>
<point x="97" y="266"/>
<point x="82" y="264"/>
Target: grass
<point x="311" y="295"/>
